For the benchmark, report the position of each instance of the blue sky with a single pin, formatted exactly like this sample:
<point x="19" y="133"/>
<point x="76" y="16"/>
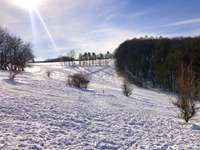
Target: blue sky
<point x="98" y="25"/>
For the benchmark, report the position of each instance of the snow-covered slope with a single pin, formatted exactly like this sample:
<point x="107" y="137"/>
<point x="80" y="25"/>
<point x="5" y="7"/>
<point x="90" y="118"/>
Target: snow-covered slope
<point x="41" y="113"/>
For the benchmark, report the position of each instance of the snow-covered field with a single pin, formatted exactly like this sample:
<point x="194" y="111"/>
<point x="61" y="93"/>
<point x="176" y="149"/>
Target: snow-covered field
<point x="41" y="113"/>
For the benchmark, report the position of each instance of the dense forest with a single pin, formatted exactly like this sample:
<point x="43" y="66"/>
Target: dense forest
<point x="171" y="64"/>
<point x="158" y="62"/>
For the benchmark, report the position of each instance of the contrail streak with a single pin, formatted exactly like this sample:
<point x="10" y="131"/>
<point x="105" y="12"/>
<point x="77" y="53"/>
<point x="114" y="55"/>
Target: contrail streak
<point x="33" y="27"/>
<point x="46" y="29"/>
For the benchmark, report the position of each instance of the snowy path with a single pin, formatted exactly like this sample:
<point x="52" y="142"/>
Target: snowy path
<point x="40" y="113"/>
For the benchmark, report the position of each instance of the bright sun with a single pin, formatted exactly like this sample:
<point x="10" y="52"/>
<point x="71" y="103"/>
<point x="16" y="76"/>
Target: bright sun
<point x="27" y="4"/>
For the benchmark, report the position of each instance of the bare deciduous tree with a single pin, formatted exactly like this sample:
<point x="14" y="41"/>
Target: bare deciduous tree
<point x="14" y="53"/>
<point x="188" y="91"/>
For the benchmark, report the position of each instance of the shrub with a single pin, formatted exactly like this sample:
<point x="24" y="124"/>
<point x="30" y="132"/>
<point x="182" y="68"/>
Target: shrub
<point x="127" y="90"/>
<point x="78" y="80"/>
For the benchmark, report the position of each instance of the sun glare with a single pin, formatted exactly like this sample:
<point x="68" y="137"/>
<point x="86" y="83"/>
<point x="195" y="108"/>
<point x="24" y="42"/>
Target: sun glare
<point x="32" y="7"/>
<point x="27" y="4"/>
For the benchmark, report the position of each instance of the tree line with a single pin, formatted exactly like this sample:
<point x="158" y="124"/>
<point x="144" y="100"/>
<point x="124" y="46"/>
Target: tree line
<point x="93" y="59"/>
<point x="58" y="59"/>
<point x="14" y="52"/>
<point x="171" y="64"/>
<point x="85" y="59"/>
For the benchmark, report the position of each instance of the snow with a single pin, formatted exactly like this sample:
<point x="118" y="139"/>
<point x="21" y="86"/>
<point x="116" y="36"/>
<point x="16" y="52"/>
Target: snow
<point x="37" y="112"/>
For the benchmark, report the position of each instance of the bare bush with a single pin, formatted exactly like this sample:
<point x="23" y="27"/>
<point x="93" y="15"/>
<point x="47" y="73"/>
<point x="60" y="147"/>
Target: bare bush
<point x="48" y="73"/>
<point x="127" y="90"/>
<point x="188" y="92"/>
<point x="78" y="80"/>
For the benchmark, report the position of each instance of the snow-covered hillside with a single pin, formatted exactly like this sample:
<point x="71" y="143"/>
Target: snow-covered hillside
<point x="41" y="113"/>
